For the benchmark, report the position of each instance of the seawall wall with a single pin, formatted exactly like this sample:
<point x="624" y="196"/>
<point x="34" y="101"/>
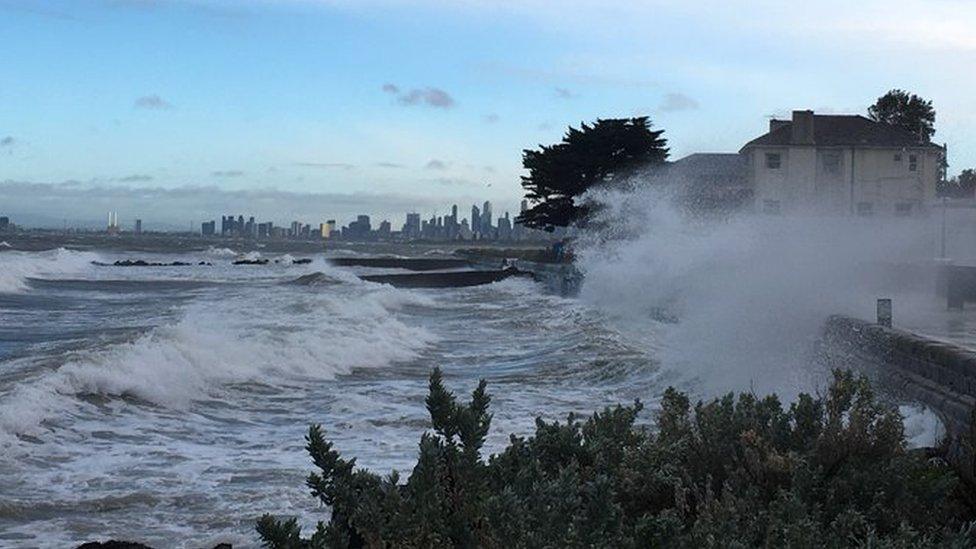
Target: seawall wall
<point x="935" y="373"/>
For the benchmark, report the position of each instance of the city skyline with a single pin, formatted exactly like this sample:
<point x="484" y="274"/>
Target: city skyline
<point x="239" y="224"/>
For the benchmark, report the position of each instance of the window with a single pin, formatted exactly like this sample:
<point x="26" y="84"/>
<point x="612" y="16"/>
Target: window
<point x="903" y="209"/>
<point x="771" y="206"/>
<point x="773" y="161"/>
<point x="897" y="157"/>
<point x="831" y="163"/>
<point x="865" y="208"/>
<point x="912" y="163"/>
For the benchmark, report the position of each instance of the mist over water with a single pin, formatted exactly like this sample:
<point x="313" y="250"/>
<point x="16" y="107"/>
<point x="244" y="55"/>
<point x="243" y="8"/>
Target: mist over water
<point x="735" y="303"/>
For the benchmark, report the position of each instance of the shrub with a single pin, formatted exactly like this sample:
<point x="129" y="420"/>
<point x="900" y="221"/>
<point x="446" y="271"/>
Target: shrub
<point x="830" y="471"/>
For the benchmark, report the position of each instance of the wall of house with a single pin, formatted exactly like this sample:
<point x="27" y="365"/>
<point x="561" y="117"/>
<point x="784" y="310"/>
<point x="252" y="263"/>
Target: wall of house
<point x="819" y="180"/>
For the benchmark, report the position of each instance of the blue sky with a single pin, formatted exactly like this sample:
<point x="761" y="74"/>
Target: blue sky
<point x="176" y="111"/>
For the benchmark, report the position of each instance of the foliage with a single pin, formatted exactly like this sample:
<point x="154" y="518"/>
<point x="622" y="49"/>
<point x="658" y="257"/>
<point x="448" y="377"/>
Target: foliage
<point x="907" y="110"/>
<point x="829" y="471"/>
<point x="592" y="155"/>
<point x="961" y="186"/>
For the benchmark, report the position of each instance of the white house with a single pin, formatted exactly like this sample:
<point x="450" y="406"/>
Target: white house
<point x="841" y="165"/>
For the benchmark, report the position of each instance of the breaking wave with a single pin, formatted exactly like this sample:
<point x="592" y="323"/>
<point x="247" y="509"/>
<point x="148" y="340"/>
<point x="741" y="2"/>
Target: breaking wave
<point x="268" y="339"/>
<point x="17" y="268"/>
<point x="219" y="252"/>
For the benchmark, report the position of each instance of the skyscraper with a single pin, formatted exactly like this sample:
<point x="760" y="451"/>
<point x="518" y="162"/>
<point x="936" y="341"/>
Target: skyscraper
<point x="486" y="224"/>
<point x="475" y="219"/>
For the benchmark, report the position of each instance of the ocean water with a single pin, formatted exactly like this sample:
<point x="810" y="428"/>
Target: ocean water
<point x="168" y="404"/>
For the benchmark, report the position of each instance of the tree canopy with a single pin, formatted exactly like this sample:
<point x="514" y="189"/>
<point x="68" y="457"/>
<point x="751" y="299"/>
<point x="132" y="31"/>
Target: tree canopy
<point x="828" y="471"/>
<point x="907" y="110"/>
<point x="594" y="154"/>
<point x="961" y="186"/>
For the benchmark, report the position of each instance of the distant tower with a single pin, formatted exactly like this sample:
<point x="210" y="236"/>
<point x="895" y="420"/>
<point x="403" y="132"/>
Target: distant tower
<point x="486" y="217"/>
<point x="113" y="223"/>
<point x="138" y="229"/>
<point x="475" y="219"/>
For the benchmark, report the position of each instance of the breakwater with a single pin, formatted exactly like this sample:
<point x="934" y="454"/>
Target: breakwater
<point x="452" y="279"/>
<point x="408" y="263"/>
<point x="935" y="373"/>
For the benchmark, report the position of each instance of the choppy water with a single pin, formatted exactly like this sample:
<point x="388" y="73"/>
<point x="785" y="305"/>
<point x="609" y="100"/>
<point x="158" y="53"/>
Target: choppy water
<point x="168" y="404"/>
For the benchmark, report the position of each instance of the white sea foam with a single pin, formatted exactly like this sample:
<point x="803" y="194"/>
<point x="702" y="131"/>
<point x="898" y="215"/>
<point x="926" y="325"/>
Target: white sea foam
<point x="219" y="252"/>
<point x="288" y="333"/>
<point x="923" y="428"/>
<point x="16" y="268"/>
<point x="249" y="256"/>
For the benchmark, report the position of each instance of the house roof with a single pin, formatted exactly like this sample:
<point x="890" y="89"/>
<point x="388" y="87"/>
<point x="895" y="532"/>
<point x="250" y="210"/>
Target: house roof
<point x="711" y="163"/>
<point x="842" y="130"/>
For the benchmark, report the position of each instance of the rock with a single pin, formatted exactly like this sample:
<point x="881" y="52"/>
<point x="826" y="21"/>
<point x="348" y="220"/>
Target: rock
<point x="303" y="261"/>
<point x="113" y="544"/>
<point x="251" y="262"/>
<point x="142" y="263"/>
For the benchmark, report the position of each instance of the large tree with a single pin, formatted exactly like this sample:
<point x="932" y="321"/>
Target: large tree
<point x="961" y="186"/>
<point x="907" y="110"/>
<point x="595" y="154"/>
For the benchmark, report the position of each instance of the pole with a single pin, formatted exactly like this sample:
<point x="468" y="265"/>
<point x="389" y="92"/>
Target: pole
<point x="942" y="248"/>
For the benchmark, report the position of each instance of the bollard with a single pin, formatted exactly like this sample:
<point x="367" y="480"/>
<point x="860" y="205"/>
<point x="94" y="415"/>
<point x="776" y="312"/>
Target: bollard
<point x="884" y="312"/>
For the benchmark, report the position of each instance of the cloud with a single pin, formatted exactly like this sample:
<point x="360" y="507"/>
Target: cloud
<point x="136" y="178"/>
<point x="326" y="165"/>
<point x="674" y="102"/>
<point x="436" y="165"/>
<point x="8" y="141"/>
<point x="564" y="93"/>
<point x="454" y="182"/>
<point x="227" y="173"/>
<point x="431" y="97"/>
<point x="153" y="103"/>
<point x="393" y="165"/>
<point x="492" y="118"/>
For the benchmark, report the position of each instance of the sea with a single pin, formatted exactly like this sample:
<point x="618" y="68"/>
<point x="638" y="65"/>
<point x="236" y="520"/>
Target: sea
<point x="168" y="405"/>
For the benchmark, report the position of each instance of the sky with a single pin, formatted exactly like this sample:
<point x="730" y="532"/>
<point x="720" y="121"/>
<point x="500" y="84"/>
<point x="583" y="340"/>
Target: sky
<point x="179" y="111"/>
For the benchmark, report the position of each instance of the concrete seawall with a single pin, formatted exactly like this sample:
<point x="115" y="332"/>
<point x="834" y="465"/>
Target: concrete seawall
<point x="560" y="278"/>
<point x="937" y="374"/>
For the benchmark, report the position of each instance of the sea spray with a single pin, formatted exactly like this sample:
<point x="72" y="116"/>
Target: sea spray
<point x="750" y="293"/>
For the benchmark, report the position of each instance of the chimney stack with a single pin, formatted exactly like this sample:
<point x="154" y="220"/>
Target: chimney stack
<point x="802" y="130"/>
<point x="775" y="124"/>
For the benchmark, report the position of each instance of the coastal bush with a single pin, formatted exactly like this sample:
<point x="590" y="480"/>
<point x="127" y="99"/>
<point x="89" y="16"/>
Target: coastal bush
<point x="827" y="471"/>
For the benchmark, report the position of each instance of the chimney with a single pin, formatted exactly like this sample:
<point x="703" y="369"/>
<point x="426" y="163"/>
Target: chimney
<point x="802" y="128"/>
<point x="775" y="124"/>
